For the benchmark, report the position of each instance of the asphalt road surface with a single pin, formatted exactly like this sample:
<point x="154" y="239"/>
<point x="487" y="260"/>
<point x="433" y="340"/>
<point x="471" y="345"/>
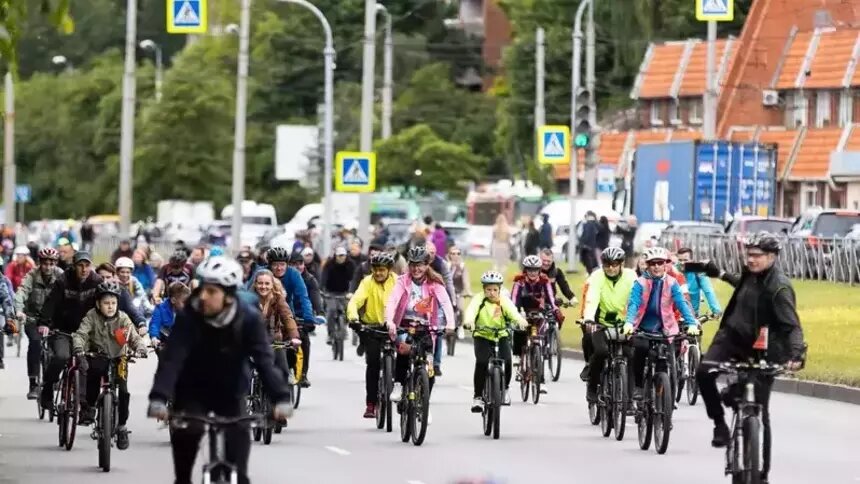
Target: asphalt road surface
<point x="328" y="442"/>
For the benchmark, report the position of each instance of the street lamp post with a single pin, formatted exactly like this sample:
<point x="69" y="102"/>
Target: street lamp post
<point x="148" y="44"/>
<point x="129" y="100"/>
<point x="241" y="107"/>
<point x="388" y="75"/>
<point x="61" y="60"/>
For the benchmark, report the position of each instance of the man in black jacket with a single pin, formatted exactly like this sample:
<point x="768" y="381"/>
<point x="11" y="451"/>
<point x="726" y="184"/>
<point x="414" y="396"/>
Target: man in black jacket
<point x="205" y="366"/>
<point x="297" y="262"/>
<point x="335" y="279"/>
<point x="588" y="242"/>
<point x="71" y="297"/>
<point x="763" y="298"/>
<point x="556" y="276"/>
<point x="364" y="269"/>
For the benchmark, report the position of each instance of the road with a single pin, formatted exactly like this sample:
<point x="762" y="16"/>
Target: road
<point x="328" y="441"/>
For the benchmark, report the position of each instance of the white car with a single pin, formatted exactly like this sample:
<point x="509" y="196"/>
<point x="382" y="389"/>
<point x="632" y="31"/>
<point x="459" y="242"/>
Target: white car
<point x="480" y="241"/>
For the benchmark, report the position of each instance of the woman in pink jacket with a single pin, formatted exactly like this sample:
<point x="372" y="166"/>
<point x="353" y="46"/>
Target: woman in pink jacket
<point x="418" y="294"/>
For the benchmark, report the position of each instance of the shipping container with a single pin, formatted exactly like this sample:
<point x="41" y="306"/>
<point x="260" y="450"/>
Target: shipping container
<point x="709" y="181"/>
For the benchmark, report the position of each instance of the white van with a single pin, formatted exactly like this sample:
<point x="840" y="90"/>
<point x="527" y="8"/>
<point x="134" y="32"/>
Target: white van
<point x="257" y="219"/>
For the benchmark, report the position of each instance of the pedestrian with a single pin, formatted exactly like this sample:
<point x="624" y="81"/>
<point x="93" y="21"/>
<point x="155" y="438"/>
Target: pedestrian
<point x="545" y="233"/>
<point x="532" y="242"/>
<point x="588" y="242"/>
<point x="501" y="246"/>
<point x="440" y="239"/>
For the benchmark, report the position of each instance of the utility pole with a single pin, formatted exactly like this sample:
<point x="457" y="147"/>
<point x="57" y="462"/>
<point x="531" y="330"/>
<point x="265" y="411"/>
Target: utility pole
<point x="126" y="150"/>
<point x="149" y="44"/>
<point x="709" y="101"/>
<point x="590" y="178"/>
<point x="239" y="128"/>
<point x="575" y="83"/>
<point x="540" y="108"/>
<point x="388" y="73"/>
<point x="9" y="152"/>
<point x="367" y="82"/>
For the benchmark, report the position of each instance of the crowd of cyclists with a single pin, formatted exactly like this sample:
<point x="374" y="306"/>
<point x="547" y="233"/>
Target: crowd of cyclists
<point x="208" y="315"/>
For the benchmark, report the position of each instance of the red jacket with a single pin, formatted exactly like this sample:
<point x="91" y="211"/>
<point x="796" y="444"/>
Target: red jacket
<point x="16" y="272"/>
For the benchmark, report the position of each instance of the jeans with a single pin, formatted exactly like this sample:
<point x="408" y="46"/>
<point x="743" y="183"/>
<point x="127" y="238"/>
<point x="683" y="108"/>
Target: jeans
<point x="437" y="350"/>
<point x="483" y="349"/>
<point x="401" y="365"/>
<point x="34" y="350"/>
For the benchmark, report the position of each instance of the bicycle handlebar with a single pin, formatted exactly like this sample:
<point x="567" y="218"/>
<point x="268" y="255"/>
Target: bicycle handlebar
<point x="735" y="367"/>
<point x="181" y="419"/>
<point x="659" y="337"/>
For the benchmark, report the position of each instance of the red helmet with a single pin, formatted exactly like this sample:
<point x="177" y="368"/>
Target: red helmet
<point x="49" y="253"/>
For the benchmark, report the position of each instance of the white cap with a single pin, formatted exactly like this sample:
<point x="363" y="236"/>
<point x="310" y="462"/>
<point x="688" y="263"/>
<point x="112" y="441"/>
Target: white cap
<point x="340" y="251"/>
<point x="307" y="251"/>
<point x="22" y="250"/>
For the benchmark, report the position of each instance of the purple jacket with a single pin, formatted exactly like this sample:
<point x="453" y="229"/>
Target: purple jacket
<point x="440" y="240"/>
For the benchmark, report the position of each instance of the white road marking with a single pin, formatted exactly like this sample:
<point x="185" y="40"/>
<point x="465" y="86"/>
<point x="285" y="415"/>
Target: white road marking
<point x="337" y="450"/>
<point x="413" y="481"/>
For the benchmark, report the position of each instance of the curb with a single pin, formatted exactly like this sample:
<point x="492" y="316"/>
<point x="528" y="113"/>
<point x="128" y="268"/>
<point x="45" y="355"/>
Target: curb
<point x="814" y="389"/>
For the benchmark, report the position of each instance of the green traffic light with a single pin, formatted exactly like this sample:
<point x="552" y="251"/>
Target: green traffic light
<point x="580" y="140"/>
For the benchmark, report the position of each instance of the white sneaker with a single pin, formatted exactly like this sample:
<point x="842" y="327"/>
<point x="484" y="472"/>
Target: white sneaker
<point x="506" y="397"/>
<point x="396" y="392"/>
<point x="461" y="333"/>
<point x="477" y="405"/>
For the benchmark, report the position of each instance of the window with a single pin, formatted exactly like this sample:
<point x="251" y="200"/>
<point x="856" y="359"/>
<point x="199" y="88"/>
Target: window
<point x="656" y="113"/>
<point x="673" y="112"/>
<point x="797" y="111"/>
<point x="845" y="108"/>
<point x="822" y="109"/>
<point x="695" y="111"/>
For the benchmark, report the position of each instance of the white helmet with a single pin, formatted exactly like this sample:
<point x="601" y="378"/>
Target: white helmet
<point x="492" y="277"/>
<point x="124" y="263"/>
<point x="222" y="271"/>
<point x="531" y="262"/>
<point x="22" y="250"/>
<point x="656" y="253"/>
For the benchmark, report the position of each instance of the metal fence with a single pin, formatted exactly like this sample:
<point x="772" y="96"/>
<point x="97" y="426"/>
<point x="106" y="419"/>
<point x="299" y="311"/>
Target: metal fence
<point x="811" y="258"/>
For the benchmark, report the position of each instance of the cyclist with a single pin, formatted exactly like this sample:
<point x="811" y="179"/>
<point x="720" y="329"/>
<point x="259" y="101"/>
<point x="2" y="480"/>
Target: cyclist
<point x="653" y="301"/>
<point x="532" y="291"/>
<point x="298" y="263"/>
<point x="107" y="272"/>
<point x="7" y="304"/>
<point x="763" y="298"/>
<point x="312" y="261"/>
<point x="177" y="269"/>
<point x="124" y="269"/>
<point x="142" y="271"/>
<point x="606" y="296"/>
<point x="418" y="294"/>
<point x="369" y="300"/>
<point x="124" y="250"/>
<point x="72" y="296"/>
<point x="462" y="284"/>
<point x="335" y="279"/>
<point x="164" y="315"/>
<point x="440" y="265"/>
<point x="20" y="266"/>
<point x="105" y="331"/>
<point x="698" y="284"/>
<point x="204" y="368"/>
<point x="489" y="311"/>
<point x="246" y="260"/>
<point x="365" y="268"/>
<point x="29" y="301"/>
<point x="555" y="275"/>
<point x="276" y="314"/>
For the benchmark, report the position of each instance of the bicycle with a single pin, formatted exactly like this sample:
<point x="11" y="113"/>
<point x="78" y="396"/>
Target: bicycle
<point x="217" y="470"/>
<point x="654" y="411"/>
<point x="414" y="405"/>
<point x="107" y="419"/>
<point x="339" y="324"/>
<point x="552" y="348"/>
<point x="493" y="393"/>
<point x="688" y="363"/>
<point x="451" y="338"/>
<point x="384" y="414"/>
<point x="67" y="404"/>
<point x="613" y="390"/>
<point x="258" y="402"/>
<point x="292" y="381"/>
<point x="530" y="372"/>
<point x="44" y="360"/>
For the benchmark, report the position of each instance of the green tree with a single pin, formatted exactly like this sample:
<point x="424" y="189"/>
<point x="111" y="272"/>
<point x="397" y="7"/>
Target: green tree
<point x="13" y="15"/>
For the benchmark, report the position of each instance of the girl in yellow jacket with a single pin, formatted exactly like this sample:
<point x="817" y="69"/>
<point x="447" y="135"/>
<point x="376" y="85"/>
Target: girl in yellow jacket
<point x="369" y="300"/>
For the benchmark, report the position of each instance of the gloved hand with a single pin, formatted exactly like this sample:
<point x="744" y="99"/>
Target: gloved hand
<point x="282" y="411"/>
<point x="82" y="363"/>
<point x="355" y="325"/>
<point x="157" y="409"/>
<point x="711" y="269"/>
<point x="44" y="330"/>
<point x="693" y="330"/>
<point x="559" y="316"/>
<point x="627" y="329"/>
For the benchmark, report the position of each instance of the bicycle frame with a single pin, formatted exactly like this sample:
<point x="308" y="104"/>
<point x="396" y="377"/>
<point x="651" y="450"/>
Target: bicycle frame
<point x="215" y="427"/>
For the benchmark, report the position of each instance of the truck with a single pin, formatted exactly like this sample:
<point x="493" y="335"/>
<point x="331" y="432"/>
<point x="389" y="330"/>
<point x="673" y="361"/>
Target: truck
<point x="514" y="199"/>
<point x="706" y="181"/>
<point x="184" y="219"/>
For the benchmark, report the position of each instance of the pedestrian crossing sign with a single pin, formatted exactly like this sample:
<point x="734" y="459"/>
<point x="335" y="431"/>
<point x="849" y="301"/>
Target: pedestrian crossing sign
<point x="554" y="145"/>
<point x="355" y="172"/>
<point x="715" y="10"/>
<point x="186" y="16"/>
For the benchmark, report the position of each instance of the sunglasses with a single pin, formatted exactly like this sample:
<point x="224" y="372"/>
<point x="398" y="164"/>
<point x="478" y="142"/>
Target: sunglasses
<point x="455" y="253"/>
<point x="656" y="262"/>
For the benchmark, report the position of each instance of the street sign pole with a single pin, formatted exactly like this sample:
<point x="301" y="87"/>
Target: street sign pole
<point x="575" y="82"/>
<point x="9" y="152"/>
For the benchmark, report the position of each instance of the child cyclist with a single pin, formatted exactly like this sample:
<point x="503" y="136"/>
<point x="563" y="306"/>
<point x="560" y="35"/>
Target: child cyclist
<point x="165" y="313"/>
<point x="107" y="332"/>
<point x="489" y="315"/>
<point x="368" y="305"/>
<point x="533" y="291"/>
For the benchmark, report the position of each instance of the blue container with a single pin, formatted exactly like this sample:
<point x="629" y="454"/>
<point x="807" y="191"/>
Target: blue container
<point x="663" y="181"/>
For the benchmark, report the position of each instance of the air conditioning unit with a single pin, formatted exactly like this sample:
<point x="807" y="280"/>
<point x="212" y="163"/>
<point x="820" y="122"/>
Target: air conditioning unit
<point x="769" y="97"/>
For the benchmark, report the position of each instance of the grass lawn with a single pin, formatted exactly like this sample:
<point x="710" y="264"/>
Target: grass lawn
<point x="828" y="312"/>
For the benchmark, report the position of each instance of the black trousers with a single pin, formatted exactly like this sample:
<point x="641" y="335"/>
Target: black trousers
<point x="599" y="353"/>
<point x="61" y="353"/>
<point x="483" y="350"/>
<point x="373" y="359"/>
<point x="34" y="350"/>
<point x="587" y="346"/>
<point x="98" y="368"/>
<point x="588" y="259"/>
<point x="186" y="442"/>
<point x="723" y="349"/>
<point x="640" y="354"/>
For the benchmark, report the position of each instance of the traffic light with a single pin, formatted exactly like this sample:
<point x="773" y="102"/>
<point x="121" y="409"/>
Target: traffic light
<point x="582" y="134"/>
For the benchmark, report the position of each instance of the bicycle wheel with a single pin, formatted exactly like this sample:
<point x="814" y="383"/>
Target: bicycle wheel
<point x="52" y="410"/>
<point x="554" y="351"/>
<point x="496" y="399"/>
<point x="266" y="410"/>
<point x="70" y="409"/>
<point x="537" y="372"/>
<point x="643" y="418"/>
<point x="693" y="358"/>
<point x="405" y="409"/>
<point x="525" y="374"/>
<point x="381" y="397"/>
<point x="662" y="415"/>
<point x="105" y="430"/>
<point x="40" y="410"/>
<point x="385" y="387"/>
<point x="604" y="402"/>
<point x="750" y="452"/>
<point x="619" y="399"/>
<point x="420" y="407"/>
<point x="61" y="427"/>
<point x="487" y="411"/>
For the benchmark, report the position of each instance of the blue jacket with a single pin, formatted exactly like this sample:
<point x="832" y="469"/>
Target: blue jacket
<point x="297" y="293"/>
<point x="145" y="275"/>
<point x="7" y="299"/>
<point x="653" y="318"/>
<point x="162" y="317"/>
<point x="697" y="283"/>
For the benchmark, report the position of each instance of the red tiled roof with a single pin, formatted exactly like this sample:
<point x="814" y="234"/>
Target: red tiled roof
<point x="693" y="82"/>
<point x="793" y="61"/>
<point x="785" y="140"/>
<point x="742" y="135"/>
<point x="831" y="59"/>
<point x="853" y="142"/>
<point x="686" y="135"/>
<point x="660" y="71"/>
<point x="813" y="157"/>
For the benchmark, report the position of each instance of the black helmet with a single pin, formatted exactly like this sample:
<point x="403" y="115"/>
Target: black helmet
<point x="178" y="258"/>
<point x="417" y="254"/>
<point x="108" y="288"/>
<point x="765" y="241"/>
<point x="382" y="259"/>
<point x="296" y="256"/>
<point x="277" y="254"/>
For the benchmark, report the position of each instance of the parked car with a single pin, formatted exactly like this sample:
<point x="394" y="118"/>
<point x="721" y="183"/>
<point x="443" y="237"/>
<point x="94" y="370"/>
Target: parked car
<point x="828" y="223"/>
<point x="700" y="241"/>
<point x="745" y="225"/>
